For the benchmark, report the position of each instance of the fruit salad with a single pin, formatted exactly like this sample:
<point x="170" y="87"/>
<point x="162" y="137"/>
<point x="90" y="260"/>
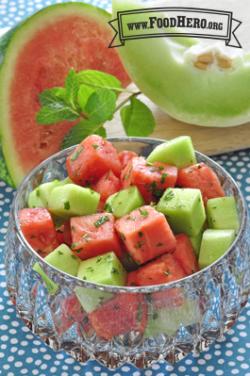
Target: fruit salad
<point x="122" y="219"/>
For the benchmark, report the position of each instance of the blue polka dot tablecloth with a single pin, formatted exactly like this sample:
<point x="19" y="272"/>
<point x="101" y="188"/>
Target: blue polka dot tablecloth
<point x="22" y="353"/>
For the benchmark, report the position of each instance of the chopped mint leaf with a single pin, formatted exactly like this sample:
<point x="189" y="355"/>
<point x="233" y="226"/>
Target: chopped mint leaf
<point x="137" y="118"/>
<point x="143" y="212"/>
<point x="169" y="195"/>
<point x="103" y="219"/>
<point x="76" y="153"/>
<point x="163" y="177"/>
<point x="67" y="205"/>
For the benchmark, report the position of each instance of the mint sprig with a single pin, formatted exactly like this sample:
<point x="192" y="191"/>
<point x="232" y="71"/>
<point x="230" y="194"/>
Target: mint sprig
<point x="90" y="97"/>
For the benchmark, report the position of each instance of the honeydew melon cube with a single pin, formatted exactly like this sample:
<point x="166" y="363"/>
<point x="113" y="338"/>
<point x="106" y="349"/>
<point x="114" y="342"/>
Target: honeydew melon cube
<point x="124" y="202"/>
<point x="213" y="245"/>
<point x="222" y="213"/>
<point x="196" y="242"/>
<point x="63" y="259"/>
<point x="178" y="152"/>
<point x="52" y="287"/>
<point x="184" y="210"/>
<point x="39" y="197"/>
<point x="168" y="320"/>
<point x="91" y="299"/>
<point x="105" y="269"/>
<point x="73" y="200"/>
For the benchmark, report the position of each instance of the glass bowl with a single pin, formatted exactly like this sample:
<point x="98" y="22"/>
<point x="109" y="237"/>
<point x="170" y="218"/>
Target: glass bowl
<point x="140" y="325"/>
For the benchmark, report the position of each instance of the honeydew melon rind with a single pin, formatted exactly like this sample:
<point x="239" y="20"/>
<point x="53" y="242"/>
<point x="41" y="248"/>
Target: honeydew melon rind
<point x="10" y="46"/>
<point x="212" y="97"/>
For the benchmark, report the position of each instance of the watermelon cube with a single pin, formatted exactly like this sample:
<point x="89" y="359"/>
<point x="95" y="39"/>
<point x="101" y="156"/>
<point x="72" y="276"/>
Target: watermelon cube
<point x="185" y="254"/>
<point x="38" y="228"/>
<point x="125" y="156"/>
<point x="120" y="315"/>
<point x="146" y="234"/>
<point x="164" y="269"/>
<point x="94" y="235"/>
<point x="91" y="160"/>
<point x="184" y="210"/>
<point x="222" y="213"/>
<point x="202" y="177"/>
<point x="150" y="178"/>
<point x="106" y="186"/>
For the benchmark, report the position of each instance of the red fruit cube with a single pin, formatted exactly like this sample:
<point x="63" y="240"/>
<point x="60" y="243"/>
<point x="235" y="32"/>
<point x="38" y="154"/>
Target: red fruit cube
<point x="120" y="315"/>
<point x="126" y="156"/>
<point x="107" y="185"/>
<point x="39" y="230"/>
<point x="164" y="269"/>
<point x="185" y="255"/>
<point x="91" y="160"/>
<point x="202" y="177"/>
<point x="151" y="179"/>
<point x="94" y="235"/>
<point x="64" y="234"/>
<point x="146" y="234"/>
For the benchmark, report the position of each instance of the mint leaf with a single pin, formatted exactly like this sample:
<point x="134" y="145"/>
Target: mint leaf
<point x="101" y="105"/>
<point x="84" y="93"/>
<point x="99" y="79"/>
<point x="71" y="88"/>
<point x="50" y="96"/>
<point x="137" y="119"/>
<point x="80" y="131"/>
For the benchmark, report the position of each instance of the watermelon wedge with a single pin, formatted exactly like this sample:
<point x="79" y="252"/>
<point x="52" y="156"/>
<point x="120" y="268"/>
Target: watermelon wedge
<point x="36" y="55"/>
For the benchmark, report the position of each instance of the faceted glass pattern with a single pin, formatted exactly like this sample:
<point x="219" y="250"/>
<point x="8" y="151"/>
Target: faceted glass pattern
<point x="148" y="323"/>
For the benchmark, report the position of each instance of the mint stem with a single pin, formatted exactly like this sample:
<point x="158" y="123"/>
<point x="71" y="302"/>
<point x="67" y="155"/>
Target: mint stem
<point x="127" y="100"/>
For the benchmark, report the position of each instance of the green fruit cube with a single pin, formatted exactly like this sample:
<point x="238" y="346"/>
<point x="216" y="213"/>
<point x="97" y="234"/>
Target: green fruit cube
<point x="222" y="213"/>
<point x="52" y="287"/>
<point x="91" y="299"/>
<point x="196" y="242"/>
<point x="184" y="210"/>
<point x="178" y="152"/>
<point x="72" y="200"/>
<point x="168" y="320"/>
<point x="63" y="259"/>
<point x="105" y="270"/>
<point x="213" y="245"/>
<point x="39" y="197"/>
<point x="124" y="202"/>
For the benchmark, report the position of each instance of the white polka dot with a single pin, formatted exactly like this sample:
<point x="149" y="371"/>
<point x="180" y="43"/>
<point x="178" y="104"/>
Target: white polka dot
<point x="125" y="369"/>
<point x="244" y="366"/>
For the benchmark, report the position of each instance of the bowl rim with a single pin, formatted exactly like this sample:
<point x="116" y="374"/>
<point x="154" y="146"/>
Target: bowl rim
<point x="127" y="289"/>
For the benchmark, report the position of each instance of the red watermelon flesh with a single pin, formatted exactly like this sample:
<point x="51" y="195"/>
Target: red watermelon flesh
<point x="76" y="39"/>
